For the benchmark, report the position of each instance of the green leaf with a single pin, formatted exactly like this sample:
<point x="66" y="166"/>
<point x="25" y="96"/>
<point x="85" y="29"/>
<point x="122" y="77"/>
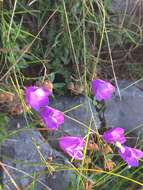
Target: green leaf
<point x="51" y="77"/>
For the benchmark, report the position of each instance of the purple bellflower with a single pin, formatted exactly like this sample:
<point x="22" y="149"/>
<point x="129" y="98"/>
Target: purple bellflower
<point x="73" y="146"/>
<point x="112" y="136"/>
<point x="130" y="155"/>
<point x="36" y="97"/>
<point x="51" y="117"/>
<point x="102" y="90"/>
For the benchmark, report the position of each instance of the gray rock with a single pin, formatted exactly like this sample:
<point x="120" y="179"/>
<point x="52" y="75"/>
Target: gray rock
<point x="21" y="151"/>
<point x="24" y="162"/>
<point x="127" y="112"/>
<point x="26" y="166"/>
<point x="80" y="114"/>
<point x="60" y="180"/>
<point x="25" y="154"/>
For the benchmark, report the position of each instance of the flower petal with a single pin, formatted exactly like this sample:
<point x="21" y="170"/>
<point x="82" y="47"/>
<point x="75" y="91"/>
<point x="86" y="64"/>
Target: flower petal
<point x="51" y="117"/>
<point x="130" y="155"/>
<point x="114" y="135"/>
<point x="102" y="90"/>
<point x="36" y="97"/>
<point x="73" y="146"/>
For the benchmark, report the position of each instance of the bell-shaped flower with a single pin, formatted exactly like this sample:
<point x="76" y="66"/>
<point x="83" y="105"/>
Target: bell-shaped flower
<point x="113" y="136"/>
<point x="73" y="146"/>
<point x="36" y="97"/>
<point x="51" y="117"/>
<point x="130" y="155"/>
<point x="102" y="90"/>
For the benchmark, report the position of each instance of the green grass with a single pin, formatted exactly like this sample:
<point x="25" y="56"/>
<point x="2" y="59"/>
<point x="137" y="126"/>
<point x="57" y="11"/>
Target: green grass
<point x="63" y="41"/>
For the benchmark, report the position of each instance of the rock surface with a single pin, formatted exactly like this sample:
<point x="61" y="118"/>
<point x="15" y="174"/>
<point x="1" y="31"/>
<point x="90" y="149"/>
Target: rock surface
<point x="127" y="112"/>
<point x="22" y="155"/>
<point x="80" y="114"/>
<point x="25" y="152"/>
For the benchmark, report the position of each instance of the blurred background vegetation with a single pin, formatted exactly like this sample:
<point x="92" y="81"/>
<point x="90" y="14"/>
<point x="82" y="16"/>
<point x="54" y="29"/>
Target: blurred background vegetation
<point x="68" y="41"/>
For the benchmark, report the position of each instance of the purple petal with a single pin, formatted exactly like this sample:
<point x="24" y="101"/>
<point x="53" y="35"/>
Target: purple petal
<point x="102" y="90"/>
<point x="51" y="117"/>
<point x="114" y="135"/>
<point x="36" y="97"/>
<point x="130" y="155"/>
<point x="138" y="153"/>
<point x="73" y="146"/>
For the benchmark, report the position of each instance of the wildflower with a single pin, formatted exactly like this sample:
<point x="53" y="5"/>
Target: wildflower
<point x="130" y="155"/>
<point x="102" y="90"/>
<point x="36" y="97"/>
<point x="51" y="117"/>
<point x="73" y="146"/>
<point x="114" y="136"/>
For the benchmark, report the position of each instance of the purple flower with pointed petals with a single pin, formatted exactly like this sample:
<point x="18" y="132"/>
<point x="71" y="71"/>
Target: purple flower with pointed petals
<point x="130" y="155"/>
<point x="115" y="135"/>
<point x="51" y="117"/>
<point x="73" y="146"/>
<point x="36" y="97"/>
<point x="102" y="90"/>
